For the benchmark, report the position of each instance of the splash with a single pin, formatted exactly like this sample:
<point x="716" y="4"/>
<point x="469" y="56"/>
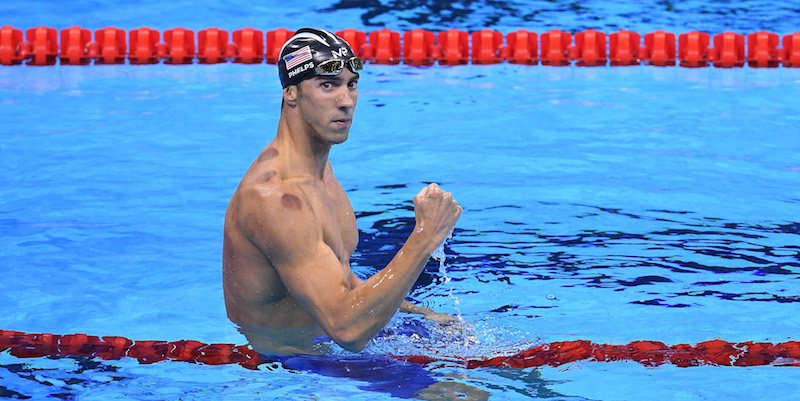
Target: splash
<point x="461" y="329"/>
<point x="439" y="255"/>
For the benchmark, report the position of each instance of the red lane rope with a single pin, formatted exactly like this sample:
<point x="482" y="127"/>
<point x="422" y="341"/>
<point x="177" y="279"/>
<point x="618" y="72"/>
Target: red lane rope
<point x="41" y="46"/>
<point x="648" y="353"/>
<point x="27" y="345"/>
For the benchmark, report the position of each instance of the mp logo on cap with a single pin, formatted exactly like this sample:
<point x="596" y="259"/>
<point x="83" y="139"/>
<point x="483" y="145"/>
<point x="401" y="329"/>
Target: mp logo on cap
<point x="339" y="53"/>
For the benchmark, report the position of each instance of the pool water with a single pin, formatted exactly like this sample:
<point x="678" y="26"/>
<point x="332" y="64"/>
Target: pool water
<point x="605" y="204"/>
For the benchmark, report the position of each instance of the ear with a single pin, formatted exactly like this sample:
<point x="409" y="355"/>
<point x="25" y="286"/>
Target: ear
<point x="290" y="95"/>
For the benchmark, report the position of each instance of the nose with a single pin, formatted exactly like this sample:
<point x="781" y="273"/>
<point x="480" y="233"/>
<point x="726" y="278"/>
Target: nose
<point x="347" y="98"/>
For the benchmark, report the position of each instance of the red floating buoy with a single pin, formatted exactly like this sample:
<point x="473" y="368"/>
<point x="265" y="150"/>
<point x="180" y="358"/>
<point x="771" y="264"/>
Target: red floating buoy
<point x="486" y="46"/>
<point x="522" y="47"/>
<point x="693" y="49"/>
<point x="275" y="41"/>
<point x="454" y="45"/>
<point x="623" y="48"/>
<point x="75" y="46"/>
<point x="212" y="46"/>
<point x="419" y="47"/>
<point x="250" y="45"/>
<point x="356" y="39"/>
<point x="728" y="50"/>
<point x="762" y="49"/>
<point x="591" y="48"/>
<point x="383" y="47"/>
<point x="659" y="49"/>
<point x="110" y="46"/>
<point x="44" y="45"/>
<point x="143" y="43"/>
<point x="555" y="45"/>
<point x="13" y="50"/>
<point x="791" y="50"/>
<point x="180" y="46"/>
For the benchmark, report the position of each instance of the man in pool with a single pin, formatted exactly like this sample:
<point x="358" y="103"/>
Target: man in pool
<point x="290" y="228"/>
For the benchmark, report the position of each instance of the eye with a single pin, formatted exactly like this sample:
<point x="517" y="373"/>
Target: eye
<point x="327" y="85"/>
<point x="352" y="84"/>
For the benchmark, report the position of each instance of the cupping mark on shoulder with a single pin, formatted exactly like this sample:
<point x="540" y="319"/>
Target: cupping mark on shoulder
<point x="267" y="154"/>
<point x="268" y="176"/>
<point x="290" y="201"/>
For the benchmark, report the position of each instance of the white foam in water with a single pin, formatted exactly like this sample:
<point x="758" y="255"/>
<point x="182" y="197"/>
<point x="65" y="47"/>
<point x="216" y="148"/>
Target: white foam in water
<point x="439" y="255"/>
<point x="478" y="338"/>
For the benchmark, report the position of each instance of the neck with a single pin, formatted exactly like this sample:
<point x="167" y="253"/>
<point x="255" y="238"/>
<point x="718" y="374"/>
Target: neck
<point x="305" y="154"/>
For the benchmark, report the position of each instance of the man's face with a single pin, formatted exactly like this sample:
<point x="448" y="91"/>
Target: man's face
<point x="327" y="104"/>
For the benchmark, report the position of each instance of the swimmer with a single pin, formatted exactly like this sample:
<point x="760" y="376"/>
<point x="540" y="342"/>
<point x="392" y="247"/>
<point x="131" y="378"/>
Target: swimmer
<point x="290" y="229"/>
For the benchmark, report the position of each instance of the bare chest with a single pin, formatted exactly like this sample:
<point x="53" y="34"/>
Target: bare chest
<point x="333" y="210"/>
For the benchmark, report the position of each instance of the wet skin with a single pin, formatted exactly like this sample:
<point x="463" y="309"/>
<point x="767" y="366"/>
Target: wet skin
<point x="290" y="230"/>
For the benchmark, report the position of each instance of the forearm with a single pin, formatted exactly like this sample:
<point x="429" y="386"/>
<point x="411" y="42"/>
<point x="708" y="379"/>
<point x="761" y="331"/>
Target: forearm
<point x="371" y="304"/>
<point x="360" y="312"/>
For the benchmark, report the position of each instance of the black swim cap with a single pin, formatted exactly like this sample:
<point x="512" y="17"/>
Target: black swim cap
<point x="306" y="50"/>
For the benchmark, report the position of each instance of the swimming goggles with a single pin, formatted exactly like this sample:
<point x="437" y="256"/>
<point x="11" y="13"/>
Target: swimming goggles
<point x="335" y="67"/>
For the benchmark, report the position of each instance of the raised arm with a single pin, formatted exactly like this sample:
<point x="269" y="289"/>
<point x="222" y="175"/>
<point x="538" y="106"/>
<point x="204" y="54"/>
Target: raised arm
<point x="291" y="237"/>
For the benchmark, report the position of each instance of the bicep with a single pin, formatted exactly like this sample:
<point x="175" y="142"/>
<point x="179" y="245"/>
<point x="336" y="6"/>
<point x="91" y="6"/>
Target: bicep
<point x="314" y="279"/>
<point x="290" y="237"/>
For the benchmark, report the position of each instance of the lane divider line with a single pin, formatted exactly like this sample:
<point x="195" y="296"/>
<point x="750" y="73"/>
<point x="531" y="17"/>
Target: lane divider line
<point x="42" y="46"/>
<point x="648" y="353"/>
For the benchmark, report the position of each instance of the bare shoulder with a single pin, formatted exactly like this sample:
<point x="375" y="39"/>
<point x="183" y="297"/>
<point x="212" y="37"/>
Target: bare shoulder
<point x="273" y="213"/>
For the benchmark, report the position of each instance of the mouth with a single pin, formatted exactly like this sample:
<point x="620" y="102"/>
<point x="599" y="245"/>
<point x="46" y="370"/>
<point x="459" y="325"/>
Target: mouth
<point x="343" y="121"/>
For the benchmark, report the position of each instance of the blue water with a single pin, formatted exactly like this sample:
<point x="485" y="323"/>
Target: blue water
<point x="606" y="204"/>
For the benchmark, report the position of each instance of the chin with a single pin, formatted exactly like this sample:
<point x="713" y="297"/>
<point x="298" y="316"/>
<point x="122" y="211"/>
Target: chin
<point x="339" y="141"/>
<point x="339" y="138"/>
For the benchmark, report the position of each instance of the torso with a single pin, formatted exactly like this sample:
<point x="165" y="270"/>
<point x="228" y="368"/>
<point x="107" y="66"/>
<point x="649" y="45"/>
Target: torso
<point x="255" y="296"/>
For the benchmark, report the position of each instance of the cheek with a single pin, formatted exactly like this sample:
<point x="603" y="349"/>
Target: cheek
<point x="311" y="120"/>
<point x="310" y="111"/>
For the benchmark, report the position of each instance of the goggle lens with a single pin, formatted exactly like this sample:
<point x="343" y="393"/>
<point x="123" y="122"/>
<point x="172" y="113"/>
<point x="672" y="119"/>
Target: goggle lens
<point x="356" y="64"/>
<point x="335" y="67"/>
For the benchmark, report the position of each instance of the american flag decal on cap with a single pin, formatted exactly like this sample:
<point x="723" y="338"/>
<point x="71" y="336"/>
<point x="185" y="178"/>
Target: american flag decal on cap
<point x="296" y="57"/>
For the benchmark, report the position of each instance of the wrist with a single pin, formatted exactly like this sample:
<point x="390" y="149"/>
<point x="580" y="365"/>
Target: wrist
<point x="422" y="240"/>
